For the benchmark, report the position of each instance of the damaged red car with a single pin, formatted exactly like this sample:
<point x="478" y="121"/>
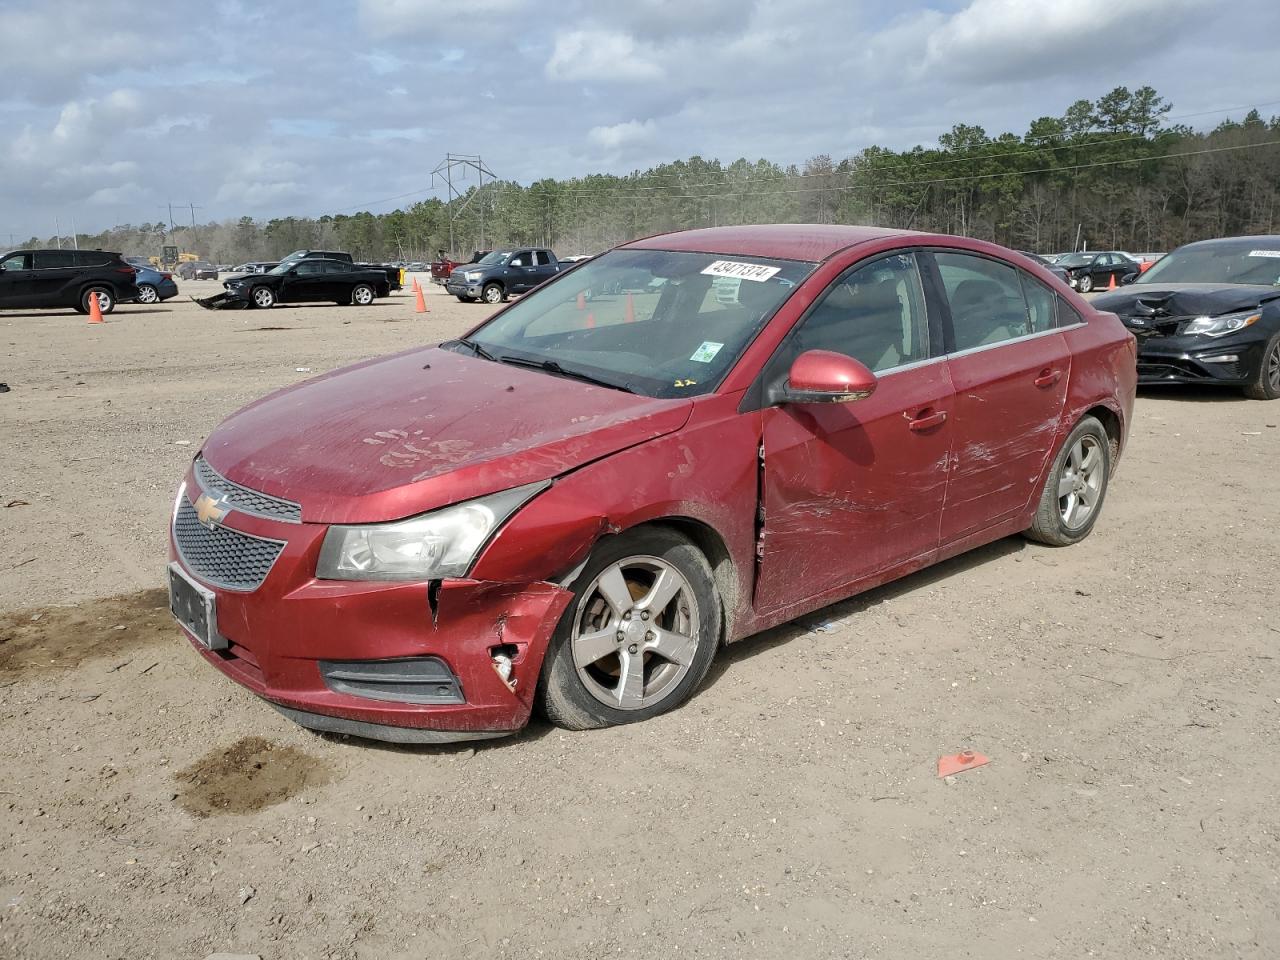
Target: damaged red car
<point x="685" y="441"/>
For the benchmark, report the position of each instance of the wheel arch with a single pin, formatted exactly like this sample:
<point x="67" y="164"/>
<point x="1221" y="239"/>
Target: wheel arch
<point x="712" y="546"/>
<point x="1111" y="422"/>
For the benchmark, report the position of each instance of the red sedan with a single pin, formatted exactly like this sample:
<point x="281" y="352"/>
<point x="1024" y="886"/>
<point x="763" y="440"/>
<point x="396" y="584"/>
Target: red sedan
<point x="577" y="504"/>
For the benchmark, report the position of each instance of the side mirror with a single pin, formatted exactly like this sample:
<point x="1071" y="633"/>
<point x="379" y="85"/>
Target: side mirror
<point x="1129" y="278"/>
<point x="823" y="376"/>
<point x="293" y="272"/>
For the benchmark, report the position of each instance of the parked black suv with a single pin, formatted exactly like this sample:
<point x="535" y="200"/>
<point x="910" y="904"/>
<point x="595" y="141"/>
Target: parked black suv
<point x="50" y="279"/>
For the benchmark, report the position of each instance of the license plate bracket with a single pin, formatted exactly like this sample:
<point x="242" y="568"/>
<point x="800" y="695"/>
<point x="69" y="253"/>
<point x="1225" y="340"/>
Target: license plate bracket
<point x="195" y="608"/>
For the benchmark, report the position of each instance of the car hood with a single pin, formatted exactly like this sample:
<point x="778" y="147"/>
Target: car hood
<point x="1184" y="299"/>
<point x="397" y="436"/>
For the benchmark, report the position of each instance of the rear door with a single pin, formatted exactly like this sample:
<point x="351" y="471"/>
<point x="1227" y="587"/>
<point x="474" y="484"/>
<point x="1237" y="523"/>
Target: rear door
<point x="544" y="266"/>
<point x="53" y="277"/>
<point x="340" y="279"/>
<point x="851" y="489"/>
<point x="1010" y="366"/>
<point x="15" y="281"/>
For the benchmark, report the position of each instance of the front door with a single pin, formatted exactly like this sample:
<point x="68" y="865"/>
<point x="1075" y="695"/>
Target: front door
<point x="1010" y="367"/>
<point x="849" y="490"/>
<point x="308" y="284"/>
<point x="15" y="281"/>
<point x="520" y="272"/>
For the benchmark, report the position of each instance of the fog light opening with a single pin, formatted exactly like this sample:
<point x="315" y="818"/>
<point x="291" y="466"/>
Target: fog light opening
<point x="503" y="658"/>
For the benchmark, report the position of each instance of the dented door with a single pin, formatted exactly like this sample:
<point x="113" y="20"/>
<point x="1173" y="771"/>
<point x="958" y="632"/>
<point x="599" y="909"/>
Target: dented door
<point x="851" y="489"/>
<point x="1009" y="400"/>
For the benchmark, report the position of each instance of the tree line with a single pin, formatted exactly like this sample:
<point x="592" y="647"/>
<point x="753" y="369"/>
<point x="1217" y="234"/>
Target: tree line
<point x="1110" y="173"/>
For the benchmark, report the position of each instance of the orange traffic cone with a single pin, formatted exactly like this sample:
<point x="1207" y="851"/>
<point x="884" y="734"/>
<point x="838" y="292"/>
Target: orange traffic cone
<point x="630" y="316"/>
<point x="1112" y="284"/>
<point x="582" y="300"/>
<point x="95" y="311"/>
<point x="591" y="320"/>
<point x="421" y="306"/>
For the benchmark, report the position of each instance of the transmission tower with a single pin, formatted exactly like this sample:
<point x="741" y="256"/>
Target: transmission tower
<point x="455" y="166"/>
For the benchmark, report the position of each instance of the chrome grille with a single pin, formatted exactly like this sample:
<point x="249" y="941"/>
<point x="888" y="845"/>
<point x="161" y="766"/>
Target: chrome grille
<point x="222" y="556"/>
<point x="246" y="500"/>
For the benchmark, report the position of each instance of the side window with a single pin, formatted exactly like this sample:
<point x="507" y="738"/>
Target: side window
<point x="519" y="259"/>
<point x="543" y="258"/>
<point x="19" y="261"/>
<point x="91" y="258"/>
<point x="52" y="259"/>
<point x="309" y="267"/>
<point x="874" y="313"/>
<point x="1068" y="316"/>
<point x="1040" y="304"/>
<point x="986" y="300"/>
<point x="336" y="266"/>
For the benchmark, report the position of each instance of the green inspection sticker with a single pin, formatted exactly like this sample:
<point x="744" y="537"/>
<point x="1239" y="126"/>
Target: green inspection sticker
<point x="707" y="352"/>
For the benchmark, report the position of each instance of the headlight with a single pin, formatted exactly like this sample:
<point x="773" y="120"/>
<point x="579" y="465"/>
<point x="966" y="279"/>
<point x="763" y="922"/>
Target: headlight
<point x="1221" y="326"/>
<point x="439" y="544"/>
<point x="473" y="276"/>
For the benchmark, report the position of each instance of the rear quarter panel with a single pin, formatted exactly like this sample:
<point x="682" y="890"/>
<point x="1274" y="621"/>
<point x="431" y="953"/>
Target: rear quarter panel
<point x="1104" y="369"/>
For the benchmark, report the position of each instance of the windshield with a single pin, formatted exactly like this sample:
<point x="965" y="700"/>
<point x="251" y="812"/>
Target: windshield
<point x="660" y="323"/>
<point x="497" y="256"/>
<point x="283" y="267"/>
<point x="1076" y="259"/>
<point x="1259" y="262"/>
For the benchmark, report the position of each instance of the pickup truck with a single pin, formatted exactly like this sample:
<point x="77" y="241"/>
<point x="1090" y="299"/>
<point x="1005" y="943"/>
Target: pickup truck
<point x="497" y="275"/>
<point x="442" y="266"/>
<point x="395" y="275"/>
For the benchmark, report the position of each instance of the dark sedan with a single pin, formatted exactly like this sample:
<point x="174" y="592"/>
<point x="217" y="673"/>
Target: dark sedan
<point x="305" y="281"/>
<point x="1208" y="313"/>
<point x="1097" y="270"/>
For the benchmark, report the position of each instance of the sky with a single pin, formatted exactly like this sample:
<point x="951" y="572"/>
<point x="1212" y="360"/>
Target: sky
<point x="114" y="109"/>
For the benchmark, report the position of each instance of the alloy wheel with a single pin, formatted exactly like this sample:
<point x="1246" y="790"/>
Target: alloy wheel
<point x="1080" y="485"/>
<point x="1273" y="367"/>
<point x="147" y="294"/>
<point x="635" y="635"/>
<point x="262" y="297"/>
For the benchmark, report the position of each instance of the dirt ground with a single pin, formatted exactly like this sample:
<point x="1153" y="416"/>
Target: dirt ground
<point x="1126" y="690"/>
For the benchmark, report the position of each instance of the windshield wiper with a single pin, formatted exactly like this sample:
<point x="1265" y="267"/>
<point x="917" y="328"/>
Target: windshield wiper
<point x="478" y="350"/>
<point x="552" y="367"/>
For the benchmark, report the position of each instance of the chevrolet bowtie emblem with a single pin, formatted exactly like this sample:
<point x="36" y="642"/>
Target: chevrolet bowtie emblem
<point x="209" y="511"/>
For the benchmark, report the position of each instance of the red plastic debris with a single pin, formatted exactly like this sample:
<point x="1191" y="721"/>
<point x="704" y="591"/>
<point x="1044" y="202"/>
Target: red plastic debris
<point x="960" y="762"/>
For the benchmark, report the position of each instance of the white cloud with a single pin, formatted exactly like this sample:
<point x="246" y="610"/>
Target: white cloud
<point x="389" y="17"/>
<point x="600" y="55"/>
<point x="622" y="134"/>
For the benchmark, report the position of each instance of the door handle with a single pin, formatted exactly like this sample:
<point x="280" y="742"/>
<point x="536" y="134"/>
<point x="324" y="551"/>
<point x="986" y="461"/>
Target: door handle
<point x="1048" y="377"/>
<point x="927" y="419"/>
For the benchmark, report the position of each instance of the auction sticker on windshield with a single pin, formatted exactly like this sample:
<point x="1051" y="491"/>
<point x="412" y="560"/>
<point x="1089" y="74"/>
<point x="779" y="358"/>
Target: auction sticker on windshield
<point x="1262" y="253"/>
<point x="743" y="271"/>
<point x="707" y="352"/>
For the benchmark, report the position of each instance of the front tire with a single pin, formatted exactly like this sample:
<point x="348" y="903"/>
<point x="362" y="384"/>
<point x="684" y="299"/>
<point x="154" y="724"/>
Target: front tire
<point x="639" y="635"/>
<point x="263" y="297"/>
<point x="1266" y="386"/>
<point x="1085" y="284"/>
<point x="1075" y="488"/>
<point x="493" y="293"/>
<point x="147" y="293"/>
<point x="362" y="295"/>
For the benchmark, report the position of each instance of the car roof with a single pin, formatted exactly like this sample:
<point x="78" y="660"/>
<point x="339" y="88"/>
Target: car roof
<point x="783" y="241"/>
<point x="1251" y="241"/>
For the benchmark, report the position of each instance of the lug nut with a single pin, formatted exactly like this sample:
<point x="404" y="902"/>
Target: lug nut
<point x="633" y="649"/>
<point x="644" y="615"/>
<point x="621" y="635"/>
<point x="650" y="636"/>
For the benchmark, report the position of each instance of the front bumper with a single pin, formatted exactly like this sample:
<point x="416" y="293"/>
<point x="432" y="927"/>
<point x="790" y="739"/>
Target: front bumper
<point x="279" y="633"/>
<point x="1199" y="360"/>
<point x="463" y="288"/>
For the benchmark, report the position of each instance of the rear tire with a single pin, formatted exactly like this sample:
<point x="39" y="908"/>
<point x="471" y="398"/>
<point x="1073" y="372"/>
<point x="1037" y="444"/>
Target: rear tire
<point x="1075" y="487"/>
<point x="1266" y="386"/>
<point x="362" y="295"/>
<point x="106" y="299"/>
<point x="669" y="630"/>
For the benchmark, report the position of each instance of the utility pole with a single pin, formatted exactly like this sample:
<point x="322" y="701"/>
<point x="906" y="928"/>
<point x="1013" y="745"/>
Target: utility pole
<point x="58" y="229"/>
<point x="445" y="170"/>
<point x="194" y="208"/>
